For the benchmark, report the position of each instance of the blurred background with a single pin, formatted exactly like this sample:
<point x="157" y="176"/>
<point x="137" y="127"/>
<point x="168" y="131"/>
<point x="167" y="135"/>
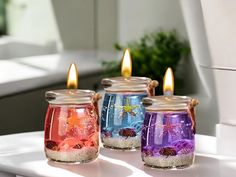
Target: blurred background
<point x="40" y="38"/>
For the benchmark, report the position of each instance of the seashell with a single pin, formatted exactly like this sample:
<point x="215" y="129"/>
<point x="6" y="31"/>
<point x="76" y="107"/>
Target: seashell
<point x="168" y="151"/>
<point x="51" y="145"/>
<point x="127" y="132"/>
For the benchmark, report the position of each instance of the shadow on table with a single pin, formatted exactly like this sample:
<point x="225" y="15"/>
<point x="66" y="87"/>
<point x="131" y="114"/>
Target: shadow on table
<point x="99" y="167"/>
<point x="131" y="157"/>
<point x="204" y="166"/>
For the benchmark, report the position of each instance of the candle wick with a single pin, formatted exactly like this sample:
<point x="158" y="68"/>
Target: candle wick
<point x="168" y="93"/>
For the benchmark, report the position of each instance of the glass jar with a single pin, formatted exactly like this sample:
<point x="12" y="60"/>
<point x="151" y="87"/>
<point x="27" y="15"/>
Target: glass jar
<point x="71" y="126"/>
<point x="122" y="112"/>
<point x="168" y="131"/>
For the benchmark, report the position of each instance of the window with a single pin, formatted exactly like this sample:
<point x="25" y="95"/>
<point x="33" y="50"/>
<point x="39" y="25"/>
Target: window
<point x="3" y="17"/>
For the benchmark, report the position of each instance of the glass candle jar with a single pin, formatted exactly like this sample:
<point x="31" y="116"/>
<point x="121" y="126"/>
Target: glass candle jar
<point x="122" y="112"/>
<point x="71" y="126"/>
<point x="168" y="131"/>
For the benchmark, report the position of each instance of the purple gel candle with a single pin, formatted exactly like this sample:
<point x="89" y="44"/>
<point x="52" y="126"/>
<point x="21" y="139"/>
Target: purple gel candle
<point x="167" y="138"/>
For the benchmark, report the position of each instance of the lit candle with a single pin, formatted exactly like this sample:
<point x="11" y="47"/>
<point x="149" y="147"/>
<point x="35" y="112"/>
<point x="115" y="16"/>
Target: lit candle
<point x="122" y="111"/>
<point x="72" y="77"/>
<point x="169" y="128"/>
<point x="126" y="66"/>
<point x="71" y="124"/>
<point x="168" y="84"/>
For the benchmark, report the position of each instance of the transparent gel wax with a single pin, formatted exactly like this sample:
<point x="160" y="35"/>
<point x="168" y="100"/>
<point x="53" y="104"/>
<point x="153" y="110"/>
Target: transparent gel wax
<point x="71" y="133"/>
<point x="122" y="119"/>
<point x="167" y="139"/>
<point x="168" y="131"/>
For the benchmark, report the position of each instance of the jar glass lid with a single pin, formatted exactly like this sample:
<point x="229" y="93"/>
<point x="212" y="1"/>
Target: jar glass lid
<point x="126" y="84"/>
<point x="166" y="103"/>
<point x="69" y="96"/>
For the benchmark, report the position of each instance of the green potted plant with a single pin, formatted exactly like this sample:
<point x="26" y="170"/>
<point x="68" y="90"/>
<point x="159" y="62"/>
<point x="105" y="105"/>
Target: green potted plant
<point x="152" y="55"/>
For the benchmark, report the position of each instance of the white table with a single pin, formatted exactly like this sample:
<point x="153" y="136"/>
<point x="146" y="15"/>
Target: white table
<point x="22" y="154"/>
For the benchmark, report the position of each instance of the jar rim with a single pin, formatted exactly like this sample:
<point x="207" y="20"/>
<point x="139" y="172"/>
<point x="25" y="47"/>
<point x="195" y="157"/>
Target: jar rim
<point x="69" y="96"/>
<point x="166" y="103"/>
<point x="133" y="83"/>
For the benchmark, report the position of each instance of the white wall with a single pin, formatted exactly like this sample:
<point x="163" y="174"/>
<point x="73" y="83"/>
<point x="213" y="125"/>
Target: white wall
<point x="76" y="24"/>
<point x="91" y="24"/>
<point x="32" y="20"/>
<point x="106" y="22"/>
<point x="211" y="26"/>
<point x="44" y="21"/>
<point x="219" y="17"/>
<point x="207" y="114"/>
<point x="127" y="20"/>
<point x="137" y="17"/>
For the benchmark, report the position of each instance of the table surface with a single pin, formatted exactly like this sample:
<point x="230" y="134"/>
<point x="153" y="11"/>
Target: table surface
<point x="23" y="154"/>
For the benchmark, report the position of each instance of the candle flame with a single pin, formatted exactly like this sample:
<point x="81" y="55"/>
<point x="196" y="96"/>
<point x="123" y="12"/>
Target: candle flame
<point x="168" y="83"/>
<point x="126" y="66"/>
<point x="72" y="77"/>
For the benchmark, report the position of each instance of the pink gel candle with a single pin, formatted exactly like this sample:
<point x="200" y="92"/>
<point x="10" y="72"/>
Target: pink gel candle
<point x="71" y="126"/>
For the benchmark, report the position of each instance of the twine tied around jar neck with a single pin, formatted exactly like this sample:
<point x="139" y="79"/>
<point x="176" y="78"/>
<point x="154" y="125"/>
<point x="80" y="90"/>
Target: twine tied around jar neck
<point x="192" y="113"/>
<point x="96" y="98"/>
<point x="151" y="87"/>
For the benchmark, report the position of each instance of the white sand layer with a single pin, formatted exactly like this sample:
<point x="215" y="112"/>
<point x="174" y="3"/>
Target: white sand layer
<point x="169" y="161"/>
<point x="76" y="155"/>
<point x="122" y="142"/>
